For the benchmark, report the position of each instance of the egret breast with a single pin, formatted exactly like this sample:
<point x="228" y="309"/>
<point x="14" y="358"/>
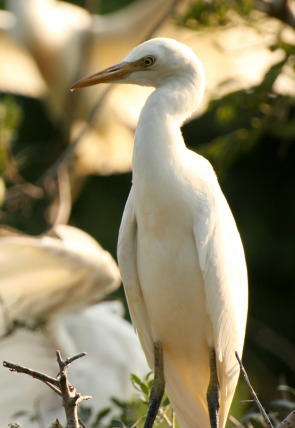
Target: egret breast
<point x="172" y="283"/>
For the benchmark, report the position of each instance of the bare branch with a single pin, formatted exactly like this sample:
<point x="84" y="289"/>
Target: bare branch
<point x="288" y="422"/>
<point x="71" y="399"/>
<point x="173" y="416"/>
<point x="67" y="155"/>
<point x="60" y="384"/>
<point x="71" y="359"/>
<point x="165" y="418"/>
<point x="255" y="398"/>
<point x="33" y="373"/>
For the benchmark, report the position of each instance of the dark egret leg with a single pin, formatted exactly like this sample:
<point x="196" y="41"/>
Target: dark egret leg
<point x="158" y="386"/>
<point x="213" y="391"/>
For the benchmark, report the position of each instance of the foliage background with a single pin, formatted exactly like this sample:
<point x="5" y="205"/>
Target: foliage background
<point x="248" y="135"/>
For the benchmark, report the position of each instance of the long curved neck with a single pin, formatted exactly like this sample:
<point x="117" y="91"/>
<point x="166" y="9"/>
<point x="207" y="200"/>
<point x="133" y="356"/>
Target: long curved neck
<point x="158" y="139"/>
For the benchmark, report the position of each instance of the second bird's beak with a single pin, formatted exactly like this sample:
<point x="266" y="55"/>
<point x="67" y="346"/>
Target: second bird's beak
<point x="115" y="73"/>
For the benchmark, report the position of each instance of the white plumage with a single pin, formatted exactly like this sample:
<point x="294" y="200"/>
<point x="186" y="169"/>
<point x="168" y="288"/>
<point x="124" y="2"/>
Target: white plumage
<point x="179" y="250"/>
<point x="39" y="275"/>
<point x="62" y="278"/>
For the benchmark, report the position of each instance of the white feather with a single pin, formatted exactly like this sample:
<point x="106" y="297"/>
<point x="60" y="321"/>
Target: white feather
<point x="60" y="278"/>
<point x="179" y="251"/>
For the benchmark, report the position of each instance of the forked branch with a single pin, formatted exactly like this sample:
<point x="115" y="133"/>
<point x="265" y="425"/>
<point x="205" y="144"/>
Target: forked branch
<point x="61" y="385"/>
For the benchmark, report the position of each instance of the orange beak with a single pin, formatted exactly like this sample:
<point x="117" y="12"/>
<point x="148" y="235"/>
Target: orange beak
<point x="111" y="74"/>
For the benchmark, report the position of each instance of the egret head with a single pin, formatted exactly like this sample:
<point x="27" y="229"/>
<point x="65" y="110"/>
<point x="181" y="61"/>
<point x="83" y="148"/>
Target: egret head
<point x="153" y="63"/>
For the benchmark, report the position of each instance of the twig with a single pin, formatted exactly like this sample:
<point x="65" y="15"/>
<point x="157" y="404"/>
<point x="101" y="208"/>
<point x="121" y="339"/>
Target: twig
<point x="288" y="422"/>
<point x="71" y="399"/>
<point x="60" y="384"/>
<point x="68" y="361"/>
<point x="173" y="418"/>
<point x="165" y="418"/>
<point x="234" y="421"/>
<point x="33" y="373"/>
<point x="67" y="155"/>
<point x="255" y="398"/>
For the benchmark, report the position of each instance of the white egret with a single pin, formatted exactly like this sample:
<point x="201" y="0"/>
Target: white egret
<point x="180" y="254"/>
<point x="61" y="278"/>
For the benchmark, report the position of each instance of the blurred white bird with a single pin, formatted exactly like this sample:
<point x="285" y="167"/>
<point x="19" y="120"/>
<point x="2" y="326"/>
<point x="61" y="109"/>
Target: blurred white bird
<point x="61" y="279"/>
<point x="39" y="274"/>
<point x="180" y="253"/>
<point x="46" y="44"/>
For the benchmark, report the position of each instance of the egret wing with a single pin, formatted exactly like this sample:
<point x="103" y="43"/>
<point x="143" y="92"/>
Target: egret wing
<point x="41" y="275"/>
<point x="222" y="262"/>
<point x="127" y="258"/>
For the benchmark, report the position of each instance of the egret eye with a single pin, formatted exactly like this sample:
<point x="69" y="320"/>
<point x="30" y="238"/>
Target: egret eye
<point x="148" y="61"/>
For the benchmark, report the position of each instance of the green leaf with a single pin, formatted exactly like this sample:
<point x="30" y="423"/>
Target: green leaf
<point x="100" y="416"/>
<point x="148" y="376"/>
<point x="119" y="403"/>
<point x="135" y="379"/>
<point x="85" y="413"/>
<point x="119" y="424"/>
<point x="139" y="385"/>
<point x="166" y="401"/>
<point x="20" y="413"/>
<point x="215" y="13"/>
